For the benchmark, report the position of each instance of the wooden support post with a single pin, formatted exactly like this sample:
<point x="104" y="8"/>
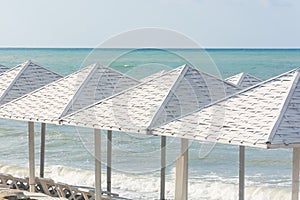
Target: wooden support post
<point x="42" y="156"/>
<point x="181" y="182"/>
<point x="109" y="154"/>
<point x="178" y="178"/>
<point x="97" y="138"/>
<point x="163" y="168"/>
<point x="184" y="152"/>
<point x="295" y="178"/>
<point x="31" y="157"/>
<point x="242" y="173"/>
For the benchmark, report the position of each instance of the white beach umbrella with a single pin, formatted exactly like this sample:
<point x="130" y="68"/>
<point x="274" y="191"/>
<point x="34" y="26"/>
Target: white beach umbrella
<point x="64" y="96"/>
<point x="153" y="103"/>
<point x="21" y="80"/>
<point x="266" y="115"/>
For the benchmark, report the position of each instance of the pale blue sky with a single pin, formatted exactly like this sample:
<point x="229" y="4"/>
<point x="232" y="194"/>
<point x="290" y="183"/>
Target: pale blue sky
<point x="212" y="23"/>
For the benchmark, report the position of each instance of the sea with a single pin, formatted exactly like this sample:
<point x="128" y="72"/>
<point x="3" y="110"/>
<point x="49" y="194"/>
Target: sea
<point x="136" y="157"/>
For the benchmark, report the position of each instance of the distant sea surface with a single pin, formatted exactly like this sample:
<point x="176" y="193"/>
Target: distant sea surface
<point x="136" y="157"/>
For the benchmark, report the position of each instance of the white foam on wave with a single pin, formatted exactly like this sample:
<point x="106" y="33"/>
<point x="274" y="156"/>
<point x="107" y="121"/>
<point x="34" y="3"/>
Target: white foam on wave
<point x="147" y="186"/>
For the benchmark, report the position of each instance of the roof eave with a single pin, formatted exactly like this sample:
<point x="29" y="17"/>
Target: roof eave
<point x="212" y="140"/>
<point x="31" y="119"/>
<point x="95" y="126"/>
<point x="277" y="146"/>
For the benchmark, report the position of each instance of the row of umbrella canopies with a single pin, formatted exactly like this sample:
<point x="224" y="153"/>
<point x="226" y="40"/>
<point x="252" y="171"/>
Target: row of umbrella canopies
<point x="265" y="115"/>
<point x="167" y="104"/>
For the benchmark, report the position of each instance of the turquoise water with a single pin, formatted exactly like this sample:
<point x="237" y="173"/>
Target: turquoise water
<point x="69" y="151"/>
<point x="262" y="63"/>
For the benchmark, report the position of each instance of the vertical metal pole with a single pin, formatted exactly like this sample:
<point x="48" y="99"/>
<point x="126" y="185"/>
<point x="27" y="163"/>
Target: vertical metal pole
<point x="97" y="138"/>
<point x="31" y="157"/>
<point x="163" y="168"/>
<point x="109" y="154"/>
<point x="242" y="173"/>
<point x="181" y="185"/>
<point x="295" y="178"/>
<point x="42" y="158"/>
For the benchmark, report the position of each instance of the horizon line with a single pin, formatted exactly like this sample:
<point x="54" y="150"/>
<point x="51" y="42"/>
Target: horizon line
<point x="191" y="48"/>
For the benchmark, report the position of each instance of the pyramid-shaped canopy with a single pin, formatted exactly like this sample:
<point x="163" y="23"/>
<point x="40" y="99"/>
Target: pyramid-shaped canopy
<point x="23" y="79"/>
<point x="3" y="69"/>
<point x="155" y="102"/>
<point x="68" y="94"/>
<point x="243" y="80"/>
<point x="265" y="115"/>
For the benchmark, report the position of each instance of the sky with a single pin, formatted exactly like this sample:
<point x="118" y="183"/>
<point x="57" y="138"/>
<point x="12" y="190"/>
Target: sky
<point x="210" y="23"/>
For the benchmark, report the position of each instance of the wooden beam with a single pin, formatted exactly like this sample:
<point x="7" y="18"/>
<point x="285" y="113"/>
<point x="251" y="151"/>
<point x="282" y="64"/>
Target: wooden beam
<point x="163" y="168"/>
<point x="42" y="156"/>
<point x="295" y="178"/>
<point x="109" y="154"/>
<point x="97" y="138"/>
<point x="181" y="182"/>
<point x="31" y="157"/>
<point x="242" y="173"/>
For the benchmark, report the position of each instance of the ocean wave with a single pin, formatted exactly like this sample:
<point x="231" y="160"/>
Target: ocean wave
<point x="147" y="186"/>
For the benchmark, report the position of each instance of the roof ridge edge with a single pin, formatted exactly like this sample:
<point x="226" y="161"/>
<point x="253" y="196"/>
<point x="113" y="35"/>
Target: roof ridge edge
<point x="84" y="82"/>
<point x="45" y="68"/>
<point x="96" y="65"/>
<point x="243" y="74"/>
<point x="167" y="96"/>
<point x="216" y="77"/>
